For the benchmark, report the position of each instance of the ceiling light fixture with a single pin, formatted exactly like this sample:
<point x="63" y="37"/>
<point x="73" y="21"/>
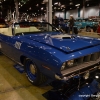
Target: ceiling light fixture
<point x="87" y="4"/>
<point x="37" y="5"/>
<point x="42" y="8"/>
<point x="56" y="3"/>
<point x="77" y="5"/>
<point x="71" y="3"/>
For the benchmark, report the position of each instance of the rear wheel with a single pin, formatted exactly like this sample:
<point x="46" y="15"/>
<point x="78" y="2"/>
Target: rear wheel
<point x="88" y="29"/>
<point x="33" y="73"/>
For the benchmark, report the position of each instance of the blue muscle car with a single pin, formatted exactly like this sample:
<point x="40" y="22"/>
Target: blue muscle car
<point x="47" y="54"/>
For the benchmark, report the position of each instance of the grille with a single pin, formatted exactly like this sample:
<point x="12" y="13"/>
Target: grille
<point x="87" y="58"/>
<point x="82" y="64"/>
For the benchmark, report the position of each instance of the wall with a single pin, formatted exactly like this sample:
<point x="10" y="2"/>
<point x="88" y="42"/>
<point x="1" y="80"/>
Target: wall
<point x="89" y="11"/>
<point x="72" y="12"/>
<point x="60" y="14"/>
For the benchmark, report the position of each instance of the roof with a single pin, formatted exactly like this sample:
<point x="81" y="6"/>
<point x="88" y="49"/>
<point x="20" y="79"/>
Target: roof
<point x="37" y="6"/>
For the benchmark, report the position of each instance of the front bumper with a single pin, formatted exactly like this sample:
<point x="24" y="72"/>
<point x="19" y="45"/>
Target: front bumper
<point x="80" y="69"/>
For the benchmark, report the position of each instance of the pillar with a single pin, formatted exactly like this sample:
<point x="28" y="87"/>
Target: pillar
<point x="50" y="12"/>
<point x="83" y="8"/>
<point x="17" y="9"/>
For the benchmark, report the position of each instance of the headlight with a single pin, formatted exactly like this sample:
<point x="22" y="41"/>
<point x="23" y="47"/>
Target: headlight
<point x="70" y="63"/>
<point x="67" y="64"/>
<point x="63" y="66"/>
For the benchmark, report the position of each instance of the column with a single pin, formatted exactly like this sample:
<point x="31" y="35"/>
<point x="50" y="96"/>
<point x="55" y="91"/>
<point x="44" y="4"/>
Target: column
<point x="83" y="8"/>
<point x="47" y="11"/>
<point x="99" y="9"/>
<point x="78" y="12"/>
<point x="65" y="14"/>
<point x="50" y="12"/>
<point x="8" y="16"/>
<point x="17" y="9"/>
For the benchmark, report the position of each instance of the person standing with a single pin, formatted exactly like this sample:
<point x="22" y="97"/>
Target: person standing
<point x="56" y="21"/>
<point x="71" y="24"/>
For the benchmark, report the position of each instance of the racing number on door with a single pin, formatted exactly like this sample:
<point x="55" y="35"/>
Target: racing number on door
<point x="17" y="45"/>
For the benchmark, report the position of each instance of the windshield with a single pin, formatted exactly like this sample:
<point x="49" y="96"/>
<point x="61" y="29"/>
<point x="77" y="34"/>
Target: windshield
<point x="33" y="27"/>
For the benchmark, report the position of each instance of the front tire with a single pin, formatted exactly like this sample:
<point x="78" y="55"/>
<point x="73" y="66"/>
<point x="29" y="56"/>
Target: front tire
<point x="33" y="73"/>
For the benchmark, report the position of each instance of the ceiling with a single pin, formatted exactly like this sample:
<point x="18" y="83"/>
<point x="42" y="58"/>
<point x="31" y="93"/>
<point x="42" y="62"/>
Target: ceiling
<point x="37" y="6"/>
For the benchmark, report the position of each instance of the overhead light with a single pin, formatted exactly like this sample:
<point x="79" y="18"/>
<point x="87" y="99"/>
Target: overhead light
<point x="30" y="8"/>
<point x="70" y="8"/>
<point x="37" y="5"/>
<point x="42" y="8"/>
<point x="63" y="6"/>
<point x="59" y="4"/>
<point x="54" y="7"/>
<point x="96" y="77"/>
<point x="55" y="3"/>
<point x="77" y="5"/>
<point x="87" y="4"/>
<point x="45" y="1"/>
<point x="71" y="3"/>
<point x="19" y="3"/>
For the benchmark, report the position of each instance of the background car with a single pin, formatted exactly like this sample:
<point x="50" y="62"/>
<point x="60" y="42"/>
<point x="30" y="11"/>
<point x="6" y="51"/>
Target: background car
<point x="85" y="23"/>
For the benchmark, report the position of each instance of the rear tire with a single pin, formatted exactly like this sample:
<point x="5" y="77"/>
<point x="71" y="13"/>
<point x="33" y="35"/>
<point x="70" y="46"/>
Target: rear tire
<point x="88" y="29"/>
<point x="33" y="73"/>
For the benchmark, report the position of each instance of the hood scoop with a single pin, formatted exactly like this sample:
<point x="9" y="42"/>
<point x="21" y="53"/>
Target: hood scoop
<point x="62" y="36"/>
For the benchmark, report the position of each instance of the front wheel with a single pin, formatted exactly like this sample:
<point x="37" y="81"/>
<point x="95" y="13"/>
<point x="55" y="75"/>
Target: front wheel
<point x="33" y="73"/>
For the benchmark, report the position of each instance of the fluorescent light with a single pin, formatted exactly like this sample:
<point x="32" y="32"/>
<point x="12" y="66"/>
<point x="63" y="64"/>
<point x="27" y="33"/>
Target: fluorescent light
<point x="77" y="5"/>
<point x="87" y="4"/>
<point x="55" y="3"/>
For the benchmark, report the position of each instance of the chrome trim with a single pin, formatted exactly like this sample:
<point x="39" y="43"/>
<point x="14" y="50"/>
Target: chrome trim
<point x="79" y="67"/>
<point x="72" y="75"/>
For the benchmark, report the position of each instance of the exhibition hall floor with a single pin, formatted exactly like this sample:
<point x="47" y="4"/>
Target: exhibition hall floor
<point x="15" y="86"/>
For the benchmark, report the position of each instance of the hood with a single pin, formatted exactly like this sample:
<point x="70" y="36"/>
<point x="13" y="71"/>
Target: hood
<point x="65" y="43"/>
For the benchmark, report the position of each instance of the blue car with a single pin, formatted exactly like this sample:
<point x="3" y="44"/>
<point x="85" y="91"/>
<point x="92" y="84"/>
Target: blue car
<point x="48" y="54"/>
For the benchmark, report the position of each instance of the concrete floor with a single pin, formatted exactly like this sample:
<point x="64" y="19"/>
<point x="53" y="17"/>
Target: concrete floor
<point x="15" y="86"/>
